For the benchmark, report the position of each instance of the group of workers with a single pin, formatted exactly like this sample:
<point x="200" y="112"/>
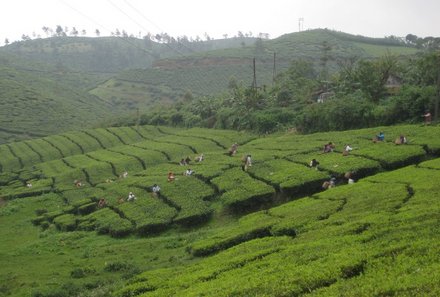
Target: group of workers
<point x="349" y="176"/>
<point x="247" y="162"/>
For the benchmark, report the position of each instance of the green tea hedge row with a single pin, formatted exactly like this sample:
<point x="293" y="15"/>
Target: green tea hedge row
<point x="338" y="164"/>
<point x="242" y="191"/>
<point x="189" y="194"/>
<point x="390" y="155"/>
<point x="126" y="134"/>
<point x="149" y="157"/>
<point x="173" y="151"/>
<point x="86" y="142"/>
<point x="104" y="137"/>
<point x="149" y="132"/>
<point x="105" y="221"/>
<point x="25" y="153"/>
<point x="44" y="149"/>
<point x="8" y="161"/>
<point x="120" y="162"/>
<point x="224" y="137"/>
<point x="199" y="144"/>
<point x="289" y="177"/>
<point x="65" y="145"/>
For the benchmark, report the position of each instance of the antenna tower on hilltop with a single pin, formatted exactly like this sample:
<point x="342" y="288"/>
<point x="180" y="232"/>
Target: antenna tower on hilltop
<point x="300" y="24"/>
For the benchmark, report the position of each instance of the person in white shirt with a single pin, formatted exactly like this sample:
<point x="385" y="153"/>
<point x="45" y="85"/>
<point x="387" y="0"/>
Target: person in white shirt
<point x="131" y="197"/>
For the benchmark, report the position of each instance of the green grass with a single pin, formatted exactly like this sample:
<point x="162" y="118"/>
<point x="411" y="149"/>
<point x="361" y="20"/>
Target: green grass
<point x="208" y="232"/>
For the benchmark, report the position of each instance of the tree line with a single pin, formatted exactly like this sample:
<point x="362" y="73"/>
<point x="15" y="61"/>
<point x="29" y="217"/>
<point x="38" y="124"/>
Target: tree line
<point x="163" y="37"/>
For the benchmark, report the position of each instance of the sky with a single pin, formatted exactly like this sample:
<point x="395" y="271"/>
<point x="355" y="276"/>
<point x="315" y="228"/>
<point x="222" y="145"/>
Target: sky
<point x="372" y="18"/>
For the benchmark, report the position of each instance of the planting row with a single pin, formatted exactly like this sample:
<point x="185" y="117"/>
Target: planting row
<point x="341" y="240"/>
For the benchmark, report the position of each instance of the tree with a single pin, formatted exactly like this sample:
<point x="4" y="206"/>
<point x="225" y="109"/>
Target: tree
<point x="97" y="32"/>
<point x="411" y="39"/>
<point x="188" y="96"/>
<point x="233" y="83"/>
<point x="46" y="30"/>
<point x="59" y="31"/>
<point x="6" y="41"/>
<point x="74" y="32"/>
<point x="368" y="76"/>
<point x="296" y="86"/>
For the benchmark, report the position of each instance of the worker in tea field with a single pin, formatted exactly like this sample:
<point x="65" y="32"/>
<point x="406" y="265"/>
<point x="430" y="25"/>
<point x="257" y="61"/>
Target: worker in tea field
<point x="247" y="162"/>
<point x="131" y="197"/>
<point x="347" y="150"/>
<point x="171" y="176"/>
<point x="233" y="150"/>
<point x="349" y="175"/>
<point x="329" y="147"/>
<point x="314" y="164"/>
<point x="102" y="203"/>
<point x="329" y="184"/>
<point x="428" y="117"/>
<point x="124" y="174"/>
<point x="29" y="184"/>
<point x="199" y="158"/>
<point x="379" y="137"/>
<point x="182" y="162"/>
<point x="188" y="172"/>
<point x="155" y="190"/>
<point x="77" y="183"/>
<point x="401" y="140"/>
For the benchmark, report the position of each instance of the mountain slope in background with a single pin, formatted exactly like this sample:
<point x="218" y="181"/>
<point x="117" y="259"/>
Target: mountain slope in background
<point x="208" y="73"/>
<point x="40" y="100"/>
<point x="63" y="83"/>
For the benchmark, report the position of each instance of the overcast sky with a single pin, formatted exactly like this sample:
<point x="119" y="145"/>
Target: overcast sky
<point x="373" y="18"/>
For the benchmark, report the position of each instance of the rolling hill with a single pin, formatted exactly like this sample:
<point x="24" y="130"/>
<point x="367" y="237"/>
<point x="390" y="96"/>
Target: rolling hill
<point x="63" y="83"/>
<point x="224" y="231"/>
<point x="209" y="73"/>
<point x="39" y="100"/>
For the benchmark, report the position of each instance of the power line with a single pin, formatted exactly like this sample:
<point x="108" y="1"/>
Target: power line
<point x="143" y="16"/>
<point x="151" y="22"/>
<point x="124" y="13"/>
<point x="103" y="27"/>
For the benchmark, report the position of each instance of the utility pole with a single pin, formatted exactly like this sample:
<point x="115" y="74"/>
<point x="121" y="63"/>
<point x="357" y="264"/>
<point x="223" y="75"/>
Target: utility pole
<point x="138" y="119"/>
<point x="274" y="72"/>
<point x="436" y="103"/>
<point x="254" y="83"/>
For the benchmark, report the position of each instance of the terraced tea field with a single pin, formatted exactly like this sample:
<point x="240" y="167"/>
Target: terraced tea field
<point x="269" y="230"/>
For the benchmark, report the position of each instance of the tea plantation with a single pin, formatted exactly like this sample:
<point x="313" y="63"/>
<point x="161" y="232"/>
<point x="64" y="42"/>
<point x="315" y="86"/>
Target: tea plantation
<point x="269" y="229"/>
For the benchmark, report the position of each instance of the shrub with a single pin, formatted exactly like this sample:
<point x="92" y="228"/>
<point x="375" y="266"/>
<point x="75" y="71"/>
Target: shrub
<point x="66" y="222"/>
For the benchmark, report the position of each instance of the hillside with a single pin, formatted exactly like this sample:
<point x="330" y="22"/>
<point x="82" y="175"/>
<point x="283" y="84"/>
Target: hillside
<point x="109" y="55"/>
<point x="89" y="82"/>
<point x="209" y="72"/>
<point x="267" y="231"/>
<point x="39" y="100"/>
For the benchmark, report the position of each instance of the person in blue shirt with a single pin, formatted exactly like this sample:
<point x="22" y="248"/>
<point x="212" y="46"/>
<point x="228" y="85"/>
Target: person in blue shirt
<point x="379" y="137"/>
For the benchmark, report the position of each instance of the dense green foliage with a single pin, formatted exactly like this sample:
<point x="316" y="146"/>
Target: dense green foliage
<point x="270" y="225"/>
<point x="361" y="93"/>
